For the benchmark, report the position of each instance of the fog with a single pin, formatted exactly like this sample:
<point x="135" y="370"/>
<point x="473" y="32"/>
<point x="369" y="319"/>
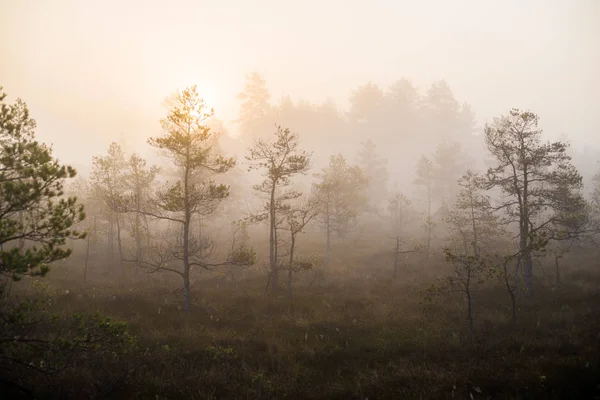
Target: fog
<point x="98" y="72"/>
<point x="390" y="197"/>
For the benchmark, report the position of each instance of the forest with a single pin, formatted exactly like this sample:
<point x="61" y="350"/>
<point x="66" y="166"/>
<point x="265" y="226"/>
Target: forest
<point x="462" y="264"/>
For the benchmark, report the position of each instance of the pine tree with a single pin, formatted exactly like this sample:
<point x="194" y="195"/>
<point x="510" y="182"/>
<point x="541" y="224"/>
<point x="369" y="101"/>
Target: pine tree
<point x="425" y="175"/>
<point x="108" y="184"/>
<point x="187" y="142"/>
<point x="535" y="179"/>
<point x="342" y="194"/>
<point x="279" y="159"/>
<point x="36" y="218"/>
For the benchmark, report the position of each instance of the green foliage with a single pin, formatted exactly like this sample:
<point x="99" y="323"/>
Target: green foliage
<point x="341" y="193"/>
<point x="401" y="212"/>
<point x="374" y="170"/>
<point x="188" y="142"/>
<point x="367" y="104"/>
<point x="449" y="162"/>
<point x="279" y="160"/>
<point x="470" y="267"/>
<point x="36" y="218"/>
<point x="242" y="256"/>
<point x="596" y="192"/>
<point x="253" y="347"/>
<point x="221" y="354"/>
<point x="425" y="174"/>
<point x="36" y="344"/>
<point x="541" y="174"/>
<point x="472" y="220"/>
<point x="255" y="104"/>
<point x="108" y="178"/>
<point x="540" y="186"/>
<point x="468" y="271"/>
<point x="139" y="197"/>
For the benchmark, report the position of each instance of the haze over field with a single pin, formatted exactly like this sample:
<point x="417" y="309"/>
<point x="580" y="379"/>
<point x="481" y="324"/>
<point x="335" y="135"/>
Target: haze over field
<point x="300" y="199"/>
<point x="97" y="71"/>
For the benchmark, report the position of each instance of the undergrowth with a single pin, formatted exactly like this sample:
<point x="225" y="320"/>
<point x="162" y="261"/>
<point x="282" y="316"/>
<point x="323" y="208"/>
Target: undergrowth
<point x="372" y="338"/>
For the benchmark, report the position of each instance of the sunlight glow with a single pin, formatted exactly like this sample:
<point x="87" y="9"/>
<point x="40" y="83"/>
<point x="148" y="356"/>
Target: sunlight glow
<point x="206" y="90"/>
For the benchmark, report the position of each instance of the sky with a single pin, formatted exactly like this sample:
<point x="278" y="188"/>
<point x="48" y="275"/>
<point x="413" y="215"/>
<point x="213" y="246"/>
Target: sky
<point x="98" y="71"/>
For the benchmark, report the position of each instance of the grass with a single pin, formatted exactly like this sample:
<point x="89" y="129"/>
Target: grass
<point x="338" y="339"/>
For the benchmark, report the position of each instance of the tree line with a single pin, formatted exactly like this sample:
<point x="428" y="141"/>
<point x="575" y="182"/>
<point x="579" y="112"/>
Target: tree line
<point x="528" y="200"/>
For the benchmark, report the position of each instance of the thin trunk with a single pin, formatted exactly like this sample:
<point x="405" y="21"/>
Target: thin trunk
<point x="275" y="257"/>
<point x="200" y="231"/>
<point x="517" y="271"/>
<point x="291" y="263"/>
<point x="513" y="307"/>
<point x="272" y="242"/>
<point x="119" y="245"/>
<point x="328" y="233"/>
<point x="469" y="303"/>
<point x="511" y="293"/>
<point x="111" y="239"/>
<point x="465" y="241"/>
<point x="523" y="248"/>
<point x="396" y="257"/>
<point x="429" y="223"/>
<point x="528" y="273"/>
<point x="525" y="240"/>
<point x="475" y="248"/>
<point x="138" y="243"/>
<point x="186" y="236"/>
<point x="147" y="228"/>
<point x="87" y="250"/>
<point x="186" y="291"/>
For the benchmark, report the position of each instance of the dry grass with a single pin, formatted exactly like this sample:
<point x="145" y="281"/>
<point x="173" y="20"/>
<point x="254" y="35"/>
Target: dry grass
<point x="339" y="339"/>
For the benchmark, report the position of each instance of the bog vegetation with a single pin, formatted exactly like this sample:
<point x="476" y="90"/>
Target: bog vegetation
<point x="466" y="269"/>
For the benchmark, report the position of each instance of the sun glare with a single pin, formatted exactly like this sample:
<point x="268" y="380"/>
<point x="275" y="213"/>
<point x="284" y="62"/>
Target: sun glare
<point x="206" y="91"/>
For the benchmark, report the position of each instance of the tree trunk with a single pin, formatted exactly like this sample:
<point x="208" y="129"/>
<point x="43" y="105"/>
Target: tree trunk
<point x="528" y="273"/>
<point x="119" y="246"/>
<point x="186" y="291"/>
<point x="273" y="276"/>
<point x="511" y="293"/>
<point x="111" y="239"/>
<point x="187" y="219"/>
<point x="429" y="222"/>
<point x="473" y="222"/>
<point x="186" y="264"/>
<point x="513" y="304"/>
<point x="138" y="245"/>
<point x="328" y="233"/>
<point x="524" y="262"/>
<point x="87" y="250"/>
<point x="291" y="263"/>
<point x="525" y="240"/>
<point x="396" y="257"/>
<point x="517" y="271"/>
<point x="429" y="233"/>
<point x="469" y="304"/>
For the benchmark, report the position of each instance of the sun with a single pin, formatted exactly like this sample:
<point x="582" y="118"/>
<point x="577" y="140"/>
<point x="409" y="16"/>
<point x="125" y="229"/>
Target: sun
<point x="206" y="90"/>
<point x="208" y="95"/>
